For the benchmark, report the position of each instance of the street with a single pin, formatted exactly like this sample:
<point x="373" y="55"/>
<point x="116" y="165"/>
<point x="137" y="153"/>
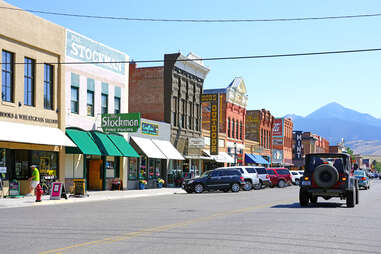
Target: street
<point x="263" y="221"/>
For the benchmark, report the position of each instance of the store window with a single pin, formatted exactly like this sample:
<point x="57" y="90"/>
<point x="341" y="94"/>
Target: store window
<point x="157" y="168"/>
<point x="29" y="73"/>
<point x="132" y="168"/>
<point x="47" y="163"/>
<point x="22" y="159"/>
<point x="110" y="167"/>
<point x="151" y="168"/>
<point x="143" y="169"/>
<point x="7" y="80"/>
<point x="3" y="164"/>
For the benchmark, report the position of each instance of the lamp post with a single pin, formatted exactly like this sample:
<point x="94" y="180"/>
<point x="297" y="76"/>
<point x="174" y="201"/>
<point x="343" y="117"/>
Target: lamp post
<point x="235" y="154"/>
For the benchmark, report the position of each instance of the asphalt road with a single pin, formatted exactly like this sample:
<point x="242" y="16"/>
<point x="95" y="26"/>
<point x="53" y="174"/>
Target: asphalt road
<point x="264" y="221"/>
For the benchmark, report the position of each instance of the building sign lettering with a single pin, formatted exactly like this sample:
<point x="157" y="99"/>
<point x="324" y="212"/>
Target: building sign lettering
<point x="278" y="127"/>
<point x="298" y="145"/>
<point x="28" y="117"/>
<point x="120" y="122"/>
<point x="214" y="120"/>
<point x="150" y="129"/>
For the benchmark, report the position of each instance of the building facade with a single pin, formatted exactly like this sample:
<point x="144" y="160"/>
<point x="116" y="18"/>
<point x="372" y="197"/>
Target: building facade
<point x="232" y="116"/>
<point x="259" y="124"/>
<point x="172" y="94"/>
<point x="32" y="116"/>
<point x="282" y="142"/>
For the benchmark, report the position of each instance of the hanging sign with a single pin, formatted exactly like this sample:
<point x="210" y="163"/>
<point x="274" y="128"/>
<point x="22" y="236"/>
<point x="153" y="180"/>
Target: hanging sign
<point x="150" y="129"/>
<point x="214" y="120"/>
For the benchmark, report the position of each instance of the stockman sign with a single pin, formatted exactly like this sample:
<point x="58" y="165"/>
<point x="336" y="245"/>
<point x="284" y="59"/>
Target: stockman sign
<point x="214" y="120"/>
<point x="121" y="122"/>
<point x="86" y="50"/>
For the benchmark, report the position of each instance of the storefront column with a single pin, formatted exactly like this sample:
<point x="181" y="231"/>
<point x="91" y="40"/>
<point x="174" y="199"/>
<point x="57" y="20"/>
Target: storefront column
<point x="85" y="171"/>
<point x="61" y="165"/>
<point x="123" y="171"/>
<point x="104" y="172"/>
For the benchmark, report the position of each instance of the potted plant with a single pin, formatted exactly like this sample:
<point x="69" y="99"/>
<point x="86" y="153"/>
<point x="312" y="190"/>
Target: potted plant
<point x="160" y="182"/>
<point x="142" y="184"/>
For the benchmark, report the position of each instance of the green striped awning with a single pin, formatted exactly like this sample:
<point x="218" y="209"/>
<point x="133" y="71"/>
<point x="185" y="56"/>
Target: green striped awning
<point x="124" y="147"/>
<point x="105" y="145"/>
<point x="84" y="141"/>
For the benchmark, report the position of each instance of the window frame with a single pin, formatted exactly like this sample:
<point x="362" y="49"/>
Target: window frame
<point x="49" y="83"/>
<point x="8" y="69"/>
<point x="116" y="99"/>
<point x="76" y="102"/>
<point x="29" y="81"/>
<point x="89" y="92"/>
<point x="104" y="108"/>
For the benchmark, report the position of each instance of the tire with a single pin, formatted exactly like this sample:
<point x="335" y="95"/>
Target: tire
<point x="188" y="191"/>
<point x="198" y="188"/>
<point x="351" y="198"/>
<point x="235" y="187"/>
<point x="314" y="199"/>
<point x="297" y="181"/>
<point x="303" y="198"/>
<point x="248" y="185"/>
<point x="281" y="184"/>
<point x="325" y="176"/>
<point x="257" y="186"/>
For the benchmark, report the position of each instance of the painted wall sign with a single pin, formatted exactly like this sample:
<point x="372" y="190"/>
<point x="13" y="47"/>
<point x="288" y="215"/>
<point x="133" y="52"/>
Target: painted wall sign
<point x="278" y="127"/>
<point x="150" y="129"/>
<point x="121" y="122"/>
<point x="196" y="142"/>
<point x="214" y="120"/>
<point x="277" y="156"/>
<point x="87" y="50"/>
<point x="252" y="126"/>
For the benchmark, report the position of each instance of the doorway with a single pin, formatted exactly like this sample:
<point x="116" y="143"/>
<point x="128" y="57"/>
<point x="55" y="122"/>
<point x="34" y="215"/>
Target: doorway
<point x="94" y="174"/>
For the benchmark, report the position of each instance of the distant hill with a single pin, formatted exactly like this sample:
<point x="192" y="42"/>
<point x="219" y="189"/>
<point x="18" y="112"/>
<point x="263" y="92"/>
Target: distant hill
<point x="361" y="132"/>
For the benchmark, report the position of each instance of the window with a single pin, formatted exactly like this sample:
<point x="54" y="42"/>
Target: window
<point x="48" y="87"/>
<point x="236" y="130"/>
<point x="29" y="66"/>
<point x="117" y="105"/>
<point x="104" y="107"/>
<point x="183" y="116"/>
<point x="229" y="127"/>
<point x="270" y="172"/>
<point x="74" y="100"/>
<point x="261" y="170"/>
<point x="90" y="103"/>
<point x="251" y="170"/>
<point x="7" y="72"/>
<point x="240" y="130"/>
<point x="233" y="122"/>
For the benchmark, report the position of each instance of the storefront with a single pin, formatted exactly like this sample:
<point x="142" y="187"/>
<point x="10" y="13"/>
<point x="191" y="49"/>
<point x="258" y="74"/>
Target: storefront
<point x="255" y="159"/>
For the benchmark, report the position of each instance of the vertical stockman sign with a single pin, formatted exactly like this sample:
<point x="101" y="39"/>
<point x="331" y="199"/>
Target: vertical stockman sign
<point x="121" y="122"/>
<point x="214" y="120"/>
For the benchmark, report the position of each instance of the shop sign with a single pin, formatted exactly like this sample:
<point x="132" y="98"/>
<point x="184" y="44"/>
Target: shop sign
<point x="214" y="120"/>
<point x="121" y="122"/>
<point x="277" y="141"/>
<point x="277" y="156"/>
<point x="278" y="127"/>
<point x="239" y="158"/>
<point x="56" y="191"/>
<point x="150" y="129"/>
<point x="252" y="126"/>
<point x="27" y="117"/>
<point x="196" y="142"/>
<point x="3" y="170"/>
<point x="86" y="50"/>
<point x="298" y="145"/>
<point x="14" y="189"/>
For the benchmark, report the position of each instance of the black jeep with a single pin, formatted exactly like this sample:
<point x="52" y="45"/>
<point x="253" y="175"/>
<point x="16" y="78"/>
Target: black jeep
<point x="328" y="175"/>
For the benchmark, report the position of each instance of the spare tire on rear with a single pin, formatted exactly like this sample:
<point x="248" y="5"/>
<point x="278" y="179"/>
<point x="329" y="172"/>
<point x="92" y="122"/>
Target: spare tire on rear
<point x="325" y="176"/>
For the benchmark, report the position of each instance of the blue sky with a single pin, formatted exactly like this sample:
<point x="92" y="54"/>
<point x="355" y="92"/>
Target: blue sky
<point x="297" y="85"/>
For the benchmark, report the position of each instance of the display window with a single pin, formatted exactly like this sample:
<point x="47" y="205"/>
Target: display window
<point x="151" y="168"/>
<point x="157" y="168"/>
<point x="3" y="164"/>
<point x="110" y="167"/>
<point x="143" y="169"/>
<point x="132" y="168"/>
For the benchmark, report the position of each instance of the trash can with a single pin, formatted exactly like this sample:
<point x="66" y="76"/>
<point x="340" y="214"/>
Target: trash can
<point x="79" y="187"/>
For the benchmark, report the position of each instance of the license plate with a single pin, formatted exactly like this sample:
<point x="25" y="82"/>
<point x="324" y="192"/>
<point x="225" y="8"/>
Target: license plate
<point x="306" y="182"/>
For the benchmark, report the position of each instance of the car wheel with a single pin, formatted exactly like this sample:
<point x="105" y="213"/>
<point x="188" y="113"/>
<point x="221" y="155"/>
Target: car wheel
<point x="235" y="187"/>
<point x="248" y="185"/>
<point x="281" y="184"/>
<point x="351" y="198"/>
<point x="296" y="181"/>
<point x="303" y="198"/>
<point x="258" y="186"/>
<point x="198" y="188"/>
<point x="314" y="199"/>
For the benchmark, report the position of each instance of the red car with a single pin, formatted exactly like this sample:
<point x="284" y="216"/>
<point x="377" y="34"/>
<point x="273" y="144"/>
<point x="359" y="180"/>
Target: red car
<point x="279" y="176"/>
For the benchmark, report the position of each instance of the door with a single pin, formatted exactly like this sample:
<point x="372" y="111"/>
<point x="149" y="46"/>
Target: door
<point x="214" y="179"/>
<point x="95" y="177"/>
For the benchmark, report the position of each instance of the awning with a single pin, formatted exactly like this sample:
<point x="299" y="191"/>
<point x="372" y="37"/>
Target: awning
<point x="222" y="157"/>
<point x="148" y="148"/>
<point x="197" y="157"/>
<point x="84" y="141"/>
<point x="168" y="149"/>
<point x="33" y="134"/>
<point x="104" y="144"/>
<point x="124" y="147"/>
<point x="255" y="158"/>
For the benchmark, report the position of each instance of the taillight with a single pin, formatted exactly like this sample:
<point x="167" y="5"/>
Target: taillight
<point x="306" y="178"/>
<point x="242" y="179"/>
<point x="363" y="178"/>
<point x="267" y="176"/>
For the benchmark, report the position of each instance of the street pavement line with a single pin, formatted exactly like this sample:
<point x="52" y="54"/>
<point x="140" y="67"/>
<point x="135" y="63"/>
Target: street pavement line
<point x="162" y="228"/>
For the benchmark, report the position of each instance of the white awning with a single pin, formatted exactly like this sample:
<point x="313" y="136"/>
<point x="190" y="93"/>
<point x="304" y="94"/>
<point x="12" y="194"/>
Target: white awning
<point x="33" y="134"/>
<point x="149" y="148"/>
<point x="168" y="149"/>
<point x="222" y="157"/>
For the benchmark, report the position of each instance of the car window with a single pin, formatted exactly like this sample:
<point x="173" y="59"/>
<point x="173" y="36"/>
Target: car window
<point x="261" y="170"/>
<point x="294" y="173"/>
<point x="234" y="172"/>
<point x="359" y="173"/>
<point x="214" y="173"/>
<point x="283" y="172"/>
<point x="251" y="170"/>
<point x="270" y="172"/>
<point x="241" y="170"/>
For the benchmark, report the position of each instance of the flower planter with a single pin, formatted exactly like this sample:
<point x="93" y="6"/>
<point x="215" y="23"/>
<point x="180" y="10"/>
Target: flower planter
<point x="159" y="185"/>
<point x="141" y="186"/>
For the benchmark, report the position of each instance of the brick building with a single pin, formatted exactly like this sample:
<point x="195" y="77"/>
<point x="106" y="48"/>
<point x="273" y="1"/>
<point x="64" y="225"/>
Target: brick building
<point x="233" y="101"/>
<point x="259" y="124"/>
<point x="172" y="94"/>
<point x="282" y="141"/>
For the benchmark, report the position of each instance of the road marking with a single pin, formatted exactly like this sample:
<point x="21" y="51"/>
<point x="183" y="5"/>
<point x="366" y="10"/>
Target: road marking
<point x="163" y="228"/>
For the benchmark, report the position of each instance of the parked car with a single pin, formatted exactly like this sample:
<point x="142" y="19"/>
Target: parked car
<point x="280" y="177"/>
<point x="363" y="179"/>
<point x="218" y="179"/>
<point x="250" y="177"/>
<point x="264" y="178"/>
<point x="295" y="177"/>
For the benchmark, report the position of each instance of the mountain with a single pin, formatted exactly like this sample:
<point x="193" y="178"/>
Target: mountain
<point x="361" y="132"/>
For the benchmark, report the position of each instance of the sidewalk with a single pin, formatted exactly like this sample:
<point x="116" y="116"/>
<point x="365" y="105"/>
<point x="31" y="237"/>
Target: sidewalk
<point x="93" y="196"/>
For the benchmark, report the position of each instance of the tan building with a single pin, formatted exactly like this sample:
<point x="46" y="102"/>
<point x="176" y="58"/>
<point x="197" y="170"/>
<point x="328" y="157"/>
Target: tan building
<point x="31" y="110"/>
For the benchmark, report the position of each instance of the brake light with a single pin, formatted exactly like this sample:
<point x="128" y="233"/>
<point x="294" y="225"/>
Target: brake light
<point x="343" y="179"/>
<point x="363" y="178"/>
<point x="242" y="179"/>
<point x="267" y="176"/>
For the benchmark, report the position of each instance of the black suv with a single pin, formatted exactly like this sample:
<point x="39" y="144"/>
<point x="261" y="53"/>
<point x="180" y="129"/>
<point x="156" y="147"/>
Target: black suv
<point x="328" y="175"/>
<point x="217" y="179"/>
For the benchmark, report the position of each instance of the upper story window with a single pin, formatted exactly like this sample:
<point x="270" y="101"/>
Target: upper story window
<point x="74" y="100"/>
<point x="104" y="106"/>
<point x="29" y="78"/>
<point x="117" y="105"/>
<point x="7" y="72"/>
<point x="90" y="103"/>
<point x="229" y="131"/>
<point x="233" y="128"/>
<point x="236" y="130"/>
<point x="48" y="86"/>
<point x="240" y="130"/>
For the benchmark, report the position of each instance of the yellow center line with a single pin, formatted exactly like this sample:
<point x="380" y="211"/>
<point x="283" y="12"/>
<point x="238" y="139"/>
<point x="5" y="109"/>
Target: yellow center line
<point x="161" y="228"/>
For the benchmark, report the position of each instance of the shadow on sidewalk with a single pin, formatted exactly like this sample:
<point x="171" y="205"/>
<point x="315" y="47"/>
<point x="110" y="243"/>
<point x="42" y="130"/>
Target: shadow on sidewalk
<point x="317" y="205"/>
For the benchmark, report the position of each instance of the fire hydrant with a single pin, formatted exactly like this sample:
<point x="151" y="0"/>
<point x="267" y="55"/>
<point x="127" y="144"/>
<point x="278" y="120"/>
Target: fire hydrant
<point x="38" y="192"/>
